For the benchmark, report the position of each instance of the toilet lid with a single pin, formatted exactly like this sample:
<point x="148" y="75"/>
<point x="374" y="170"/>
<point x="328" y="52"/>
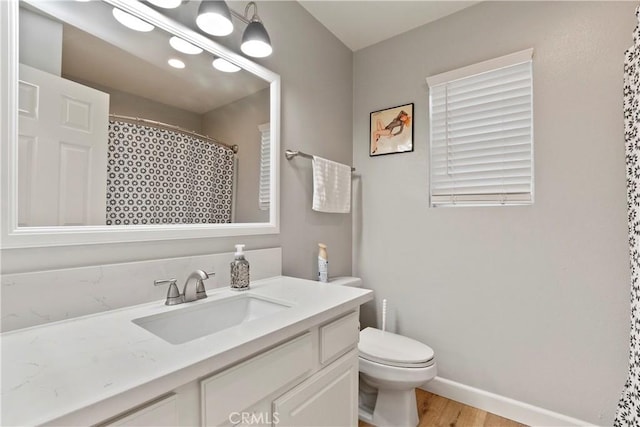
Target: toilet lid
<point x="395" y="350"/>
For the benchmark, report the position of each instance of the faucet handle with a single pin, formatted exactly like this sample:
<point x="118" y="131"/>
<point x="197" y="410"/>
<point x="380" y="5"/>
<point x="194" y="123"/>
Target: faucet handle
<point x="201" y="292"/>
<point x="173" y="294"/>
<point x="163" y="281"/>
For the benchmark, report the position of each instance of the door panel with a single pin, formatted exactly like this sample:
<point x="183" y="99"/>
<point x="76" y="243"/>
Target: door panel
<point x="63" y="139"/>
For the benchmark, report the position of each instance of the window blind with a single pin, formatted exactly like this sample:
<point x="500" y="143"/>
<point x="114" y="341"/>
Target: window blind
<point x="264" y="193"/>
<point x="481" y="120"/>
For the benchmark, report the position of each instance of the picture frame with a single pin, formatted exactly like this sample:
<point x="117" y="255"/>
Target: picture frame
<point x="391" y="130"/>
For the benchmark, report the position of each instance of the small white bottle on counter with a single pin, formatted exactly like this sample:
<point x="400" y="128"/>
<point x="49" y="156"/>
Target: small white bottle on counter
<point x="323" y="263"/>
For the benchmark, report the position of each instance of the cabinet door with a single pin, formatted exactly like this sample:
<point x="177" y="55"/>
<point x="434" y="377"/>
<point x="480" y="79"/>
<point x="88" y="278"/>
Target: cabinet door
<point x="329" y="398"/>
<point x="227" y="394"/>
<point x="258" y="415"/>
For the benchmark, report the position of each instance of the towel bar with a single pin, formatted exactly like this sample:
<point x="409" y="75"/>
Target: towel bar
<point x="290" y="154"/>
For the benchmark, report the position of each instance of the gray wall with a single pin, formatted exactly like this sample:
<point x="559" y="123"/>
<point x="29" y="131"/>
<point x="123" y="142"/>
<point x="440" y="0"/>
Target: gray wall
<point x="37" y="32"/>
<point x="127" y="104"/>
<point x="526" y="302"/>
<point x="237" y="123"/>
<point x="316" y="72"/>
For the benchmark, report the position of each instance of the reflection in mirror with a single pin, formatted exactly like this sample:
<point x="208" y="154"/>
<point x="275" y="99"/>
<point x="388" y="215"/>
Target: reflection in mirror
<point x="111" y="134"/>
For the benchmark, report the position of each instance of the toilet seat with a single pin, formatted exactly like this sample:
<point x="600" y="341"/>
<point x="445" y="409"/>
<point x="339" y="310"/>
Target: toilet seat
<point x="390" y="349"/>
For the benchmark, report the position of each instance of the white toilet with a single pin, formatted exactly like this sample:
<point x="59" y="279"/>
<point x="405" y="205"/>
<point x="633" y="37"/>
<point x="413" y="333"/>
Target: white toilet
<point x="391" y="367"/>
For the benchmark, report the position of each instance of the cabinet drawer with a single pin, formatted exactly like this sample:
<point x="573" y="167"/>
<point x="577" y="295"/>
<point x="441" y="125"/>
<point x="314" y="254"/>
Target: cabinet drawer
<point x="244" y="385"/>
<point x="163" y="412"/>
<point x="338" y="337"/>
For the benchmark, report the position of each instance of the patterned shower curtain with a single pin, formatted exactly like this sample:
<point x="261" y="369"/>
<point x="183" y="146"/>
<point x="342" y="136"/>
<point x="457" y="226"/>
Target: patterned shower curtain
<point x="161" y="176"/>
<point x="629" y="406"/>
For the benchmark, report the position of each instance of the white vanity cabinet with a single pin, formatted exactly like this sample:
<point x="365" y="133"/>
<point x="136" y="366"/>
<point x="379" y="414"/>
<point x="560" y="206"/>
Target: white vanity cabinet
<point x="297" y="366"/>
<point x="309" y="380"/>
<point x="226" y="396"/>
<point x="294" y="384"/>
<point x="329" y="398"/>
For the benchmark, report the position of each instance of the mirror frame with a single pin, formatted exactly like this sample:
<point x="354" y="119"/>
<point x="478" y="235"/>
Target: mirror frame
<point x="20" y="237"/>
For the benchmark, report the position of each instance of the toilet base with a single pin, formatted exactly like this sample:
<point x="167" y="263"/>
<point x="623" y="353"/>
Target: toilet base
<point x="388" y="408"/>
<point x="394" y="408"/>
<point x="367" y="396"/>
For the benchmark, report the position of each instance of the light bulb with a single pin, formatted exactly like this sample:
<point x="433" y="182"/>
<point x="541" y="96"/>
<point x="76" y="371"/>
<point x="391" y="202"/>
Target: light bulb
<point x="224" y="65"/>
<point x="131" y="21"/>
<point x="166" y="4"/>
<point x="256" y="48"/>
<point x="184" y="46"/>
<point x="176" y="63"/>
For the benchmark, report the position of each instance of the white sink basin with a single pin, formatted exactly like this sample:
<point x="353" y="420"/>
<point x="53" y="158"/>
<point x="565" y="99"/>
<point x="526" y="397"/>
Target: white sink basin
<point x="206" y="318"/>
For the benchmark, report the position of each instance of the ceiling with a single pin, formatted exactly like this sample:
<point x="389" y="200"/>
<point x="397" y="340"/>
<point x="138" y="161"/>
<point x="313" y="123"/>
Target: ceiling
<point x="114" y="57"/>
<point x="362" y="23"/>
<point x="100" y="52"/>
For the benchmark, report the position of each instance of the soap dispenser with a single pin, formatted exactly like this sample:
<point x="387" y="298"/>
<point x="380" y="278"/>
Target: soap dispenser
<point x="239" y="271"/>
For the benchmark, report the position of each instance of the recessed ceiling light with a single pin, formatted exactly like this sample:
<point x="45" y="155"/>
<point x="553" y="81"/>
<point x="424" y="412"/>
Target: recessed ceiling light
<point x="184" y="46"/>
<point x="176" y="63"/>
<point x="166" y="4"/>
<point x="131" y="21"/>
<point x="224" y="65"/>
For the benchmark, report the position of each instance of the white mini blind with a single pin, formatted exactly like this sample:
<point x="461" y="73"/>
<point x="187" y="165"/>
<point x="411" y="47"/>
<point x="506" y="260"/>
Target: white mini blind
<point x="264" y="192"/>
<point x="481" y="120"/>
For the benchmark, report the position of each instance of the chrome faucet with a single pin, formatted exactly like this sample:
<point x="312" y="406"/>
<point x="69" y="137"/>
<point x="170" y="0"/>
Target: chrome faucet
<point x="199" y="292"/>
<point x="198" y="289"/>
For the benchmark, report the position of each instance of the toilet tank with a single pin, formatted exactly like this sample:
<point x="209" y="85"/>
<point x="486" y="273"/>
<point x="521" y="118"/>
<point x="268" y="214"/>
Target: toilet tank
<point x="354" y="282"/>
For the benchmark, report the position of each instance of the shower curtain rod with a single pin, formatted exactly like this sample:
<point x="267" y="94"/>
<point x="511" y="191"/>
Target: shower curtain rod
<point x="161" y="125"/>
<point x="290" y="154"/>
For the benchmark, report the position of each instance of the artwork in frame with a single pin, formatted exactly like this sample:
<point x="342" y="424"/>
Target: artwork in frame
<point x="391" y="130"/>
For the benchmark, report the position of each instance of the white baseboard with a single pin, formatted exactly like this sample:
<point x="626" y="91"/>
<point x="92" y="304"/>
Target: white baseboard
<point x="500" y="405"/>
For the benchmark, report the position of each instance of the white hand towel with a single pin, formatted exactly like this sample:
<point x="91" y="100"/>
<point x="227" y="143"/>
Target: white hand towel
<point x="331" y="186"/>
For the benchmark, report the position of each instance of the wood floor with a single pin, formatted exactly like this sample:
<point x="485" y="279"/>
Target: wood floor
<point x="437" y="411"/>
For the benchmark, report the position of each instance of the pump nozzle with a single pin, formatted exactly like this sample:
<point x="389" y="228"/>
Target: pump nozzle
<point x="239" y="250"/>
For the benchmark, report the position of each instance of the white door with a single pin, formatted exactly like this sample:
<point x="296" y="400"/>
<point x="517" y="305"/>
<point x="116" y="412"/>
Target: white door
<point x="62" y="154"/>
<point x="329" y="398"/>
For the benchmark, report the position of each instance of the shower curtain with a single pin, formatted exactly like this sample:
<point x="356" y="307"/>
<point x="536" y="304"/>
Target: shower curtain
<point x="161" y="176"/>
<point x="628" y="413"/>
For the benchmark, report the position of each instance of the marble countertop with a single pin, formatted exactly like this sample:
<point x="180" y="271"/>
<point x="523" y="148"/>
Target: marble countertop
<point x="87" y="369"/>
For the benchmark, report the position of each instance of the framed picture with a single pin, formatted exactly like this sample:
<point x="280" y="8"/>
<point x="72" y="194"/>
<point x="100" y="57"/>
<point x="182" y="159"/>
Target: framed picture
<point x="391" y="130"/>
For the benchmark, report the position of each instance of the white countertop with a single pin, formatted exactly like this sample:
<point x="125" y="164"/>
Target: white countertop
<point x="89" y="368"/>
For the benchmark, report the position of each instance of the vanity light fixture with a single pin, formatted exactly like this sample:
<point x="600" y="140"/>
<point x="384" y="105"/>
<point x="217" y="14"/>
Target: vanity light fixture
<point x="184" y="46"/>
<point x="255" y="40"/>
<point x="131" y="21"/>
<point x="214" y="17"/>
<point x="225" y="66"/>
<point x="176" y="63"/>
<point x="166" y="4"/>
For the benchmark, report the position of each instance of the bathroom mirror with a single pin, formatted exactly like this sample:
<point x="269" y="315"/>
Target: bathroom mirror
<point x="143" y="151"/>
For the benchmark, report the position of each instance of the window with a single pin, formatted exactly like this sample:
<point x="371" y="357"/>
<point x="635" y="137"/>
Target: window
<point x="264" y="193"/>
<point x="481" y="144"/>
